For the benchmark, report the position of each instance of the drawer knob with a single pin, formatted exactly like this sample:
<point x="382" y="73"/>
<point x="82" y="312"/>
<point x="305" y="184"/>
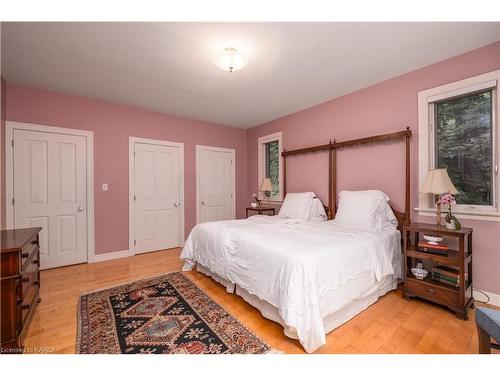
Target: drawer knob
<point x="26" y="306"/>
<point x="34" y="242"/>
<point x="24" y="255"/>
<point x="36" y="283"/>
<point x="35" y="261"/>
<point x="26" y="279"/>
<point x="431" y="291"/>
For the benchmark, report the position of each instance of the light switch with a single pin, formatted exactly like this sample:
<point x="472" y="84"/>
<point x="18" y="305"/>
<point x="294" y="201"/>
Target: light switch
<point x="104" y="187"/>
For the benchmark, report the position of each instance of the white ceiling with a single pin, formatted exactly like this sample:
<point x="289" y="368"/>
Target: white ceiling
<point x="169" y="67"/>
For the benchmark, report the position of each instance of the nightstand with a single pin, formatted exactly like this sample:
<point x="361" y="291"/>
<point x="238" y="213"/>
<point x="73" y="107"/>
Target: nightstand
<point x="259" y="209"/>
<point x="449" y="282"/>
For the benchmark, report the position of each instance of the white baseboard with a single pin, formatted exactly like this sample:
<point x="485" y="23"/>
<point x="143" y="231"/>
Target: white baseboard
<point x="111" y="256"/>
<point x="494" y="298"/>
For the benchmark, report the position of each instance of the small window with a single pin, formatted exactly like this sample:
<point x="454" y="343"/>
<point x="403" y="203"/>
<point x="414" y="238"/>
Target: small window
<point x="269" y="158"/>
<point x="464" y="145"/>
<point x="272" y="156"/>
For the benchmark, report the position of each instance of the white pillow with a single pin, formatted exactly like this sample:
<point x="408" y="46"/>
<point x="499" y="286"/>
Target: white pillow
<point x="363" y="209"/>
<point x="391" y="220"/>
<point x="317" y="211"/>
<point x="297" y="205"/>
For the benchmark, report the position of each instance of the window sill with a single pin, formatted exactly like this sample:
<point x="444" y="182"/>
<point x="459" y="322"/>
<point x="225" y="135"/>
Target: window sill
<point x="467" y="215"/>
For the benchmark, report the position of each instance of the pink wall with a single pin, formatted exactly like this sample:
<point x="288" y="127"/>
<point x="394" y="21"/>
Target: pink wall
<point x="112" y="124"/>
<point x="385" y="107"/>
<point x="2" y="152"/>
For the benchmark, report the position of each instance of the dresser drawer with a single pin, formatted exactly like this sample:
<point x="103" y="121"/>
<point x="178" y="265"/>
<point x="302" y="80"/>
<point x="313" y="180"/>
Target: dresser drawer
<point x="28" y="250"/>
<point x="30" y="275"/>
<point x="28" y="303"/>
<point x="436" y="293"/>
<point x="20" y="289"/>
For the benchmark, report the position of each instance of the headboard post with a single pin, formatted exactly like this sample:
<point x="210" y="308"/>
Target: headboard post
<point x="284" y="173"/>
<point x="407" y="219"/>
<point x="332" y="202"/>
<point x="330" y="161"/>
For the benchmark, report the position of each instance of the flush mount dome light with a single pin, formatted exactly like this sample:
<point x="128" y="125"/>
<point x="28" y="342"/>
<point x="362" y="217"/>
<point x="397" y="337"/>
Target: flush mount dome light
<point x="230" y="59"/>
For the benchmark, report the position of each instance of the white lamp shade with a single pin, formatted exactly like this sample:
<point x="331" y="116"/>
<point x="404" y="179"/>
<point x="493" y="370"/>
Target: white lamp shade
<point x="266" y="185"/>
<point x="437" y="181"/>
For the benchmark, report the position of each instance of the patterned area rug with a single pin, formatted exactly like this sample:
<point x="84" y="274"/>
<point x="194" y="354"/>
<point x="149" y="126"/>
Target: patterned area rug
<point x="164" y="314"/>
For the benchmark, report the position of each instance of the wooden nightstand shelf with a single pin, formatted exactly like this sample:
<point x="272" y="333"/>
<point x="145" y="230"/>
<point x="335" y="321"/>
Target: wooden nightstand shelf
<point x="459" y="258"/>
<point x="260" y="209"/>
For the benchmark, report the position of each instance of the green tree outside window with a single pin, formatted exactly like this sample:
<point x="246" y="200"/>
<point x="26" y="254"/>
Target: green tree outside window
<point x="272" y="151"/>
<point x="464" y="145"/>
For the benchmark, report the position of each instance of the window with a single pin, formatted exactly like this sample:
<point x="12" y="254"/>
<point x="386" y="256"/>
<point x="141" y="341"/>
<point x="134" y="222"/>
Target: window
<point x="458" y="131"/>
<point x="269" y="155"/>
<point x="464" y="145"/>
<point x="272" y="165"/>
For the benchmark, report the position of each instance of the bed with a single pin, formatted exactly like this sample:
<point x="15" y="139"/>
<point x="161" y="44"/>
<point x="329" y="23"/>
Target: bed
<point x="307" y="273"/>
<point x="310" y="276"/>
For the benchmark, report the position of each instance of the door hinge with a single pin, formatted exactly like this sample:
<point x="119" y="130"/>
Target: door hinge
<point x="13" y="201"/>
<point x="135" y="242"/>
<point x="134" y="154"/>
<point x="12" y="143"/>
<point x="231" y="161"/>
<point x="134" y="198"/>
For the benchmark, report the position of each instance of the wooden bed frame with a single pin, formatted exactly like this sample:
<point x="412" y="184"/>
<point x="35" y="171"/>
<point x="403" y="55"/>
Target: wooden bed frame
<point x="333" y="146"/>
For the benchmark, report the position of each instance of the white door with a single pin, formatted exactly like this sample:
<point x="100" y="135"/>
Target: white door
<point x="50" y="191"/>
<point x="157" y="196"/>
<point x="215" y="184"/>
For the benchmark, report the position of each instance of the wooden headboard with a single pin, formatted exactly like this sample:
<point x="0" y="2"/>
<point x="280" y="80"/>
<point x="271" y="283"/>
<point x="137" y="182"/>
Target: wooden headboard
<point x="401" y="216"/>
<point x="333" y="146"/>
<point x="324" y="206"/>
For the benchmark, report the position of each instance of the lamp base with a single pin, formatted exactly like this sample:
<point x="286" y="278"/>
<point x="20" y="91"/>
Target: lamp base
<point x="438" y="214"/>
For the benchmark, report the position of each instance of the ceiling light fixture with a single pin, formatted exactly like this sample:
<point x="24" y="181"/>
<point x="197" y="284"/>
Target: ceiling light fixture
<point x="230" y="59"/>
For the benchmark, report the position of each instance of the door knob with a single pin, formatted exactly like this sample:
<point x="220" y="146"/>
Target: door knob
<point x="80" y="208"/>
<point x="176" y="204"/>
<point x="203" y="203"/>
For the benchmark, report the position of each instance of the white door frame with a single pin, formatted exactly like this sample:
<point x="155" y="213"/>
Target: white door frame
<point x="11" y="126"/>
<point x="211" y="148"/>
<point x="131" y="186"/>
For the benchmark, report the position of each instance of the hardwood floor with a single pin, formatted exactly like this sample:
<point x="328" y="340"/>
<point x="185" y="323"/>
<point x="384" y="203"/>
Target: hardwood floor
<point x="392" y="325"/>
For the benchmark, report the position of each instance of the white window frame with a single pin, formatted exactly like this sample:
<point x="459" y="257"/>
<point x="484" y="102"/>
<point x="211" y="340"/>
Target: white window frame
<point x="426" y="157"/>
<point x="261" y="149"/>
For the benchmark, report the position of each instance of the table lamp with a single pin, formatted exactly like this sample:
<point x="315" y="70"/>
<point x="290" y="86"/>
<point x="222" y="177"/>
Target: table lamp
<point x="438" y="182"/>
<point x="266" y="186"/>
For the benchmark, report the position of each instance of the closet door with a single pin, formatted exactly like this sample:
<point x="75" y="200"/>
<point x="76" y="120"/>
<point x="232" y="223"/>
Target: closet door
<point x="215" y="184"/>
<point x="50" y="190"/>
<point x="157" y="197"/>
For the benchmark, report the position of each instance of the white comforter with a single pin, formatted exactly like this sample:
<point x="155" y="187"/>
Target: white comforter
<point x="291" y="264"/>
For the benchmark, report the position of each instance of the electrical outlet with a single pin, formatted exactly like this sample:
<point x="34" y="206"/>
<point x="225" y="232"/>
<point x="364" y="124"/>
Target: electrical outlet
<point x="104" y="187"/>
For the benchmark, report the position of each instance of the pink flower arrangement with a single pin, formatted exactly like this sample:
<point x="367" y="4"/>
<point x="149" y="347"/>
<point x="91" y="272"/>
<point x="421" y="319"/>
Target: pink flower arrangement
<point x="256" y="197"/>
<point x="447" y="199"/>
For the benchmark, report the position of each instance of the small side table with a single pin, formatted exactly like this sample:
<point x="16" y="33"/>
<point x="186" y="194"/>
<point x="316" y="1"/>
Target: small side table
<point x="271" y="210"/>
<point x="457" y="298"/>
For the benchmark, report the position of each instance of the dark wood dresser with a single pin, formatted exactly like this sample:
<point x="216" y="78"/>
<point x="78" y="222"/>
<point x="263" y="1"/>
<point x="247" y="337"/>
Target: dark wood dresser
<point x="20" y="285"/>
